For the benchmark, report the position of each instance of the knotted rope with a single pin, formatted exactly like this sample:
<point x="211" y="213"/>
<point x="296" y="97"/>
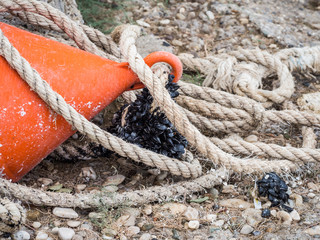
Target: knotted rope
<point x="199" y="108"/>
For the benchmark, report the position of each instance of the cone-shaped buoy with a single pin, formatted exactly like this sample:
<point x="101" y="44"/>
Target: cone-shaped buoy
<point x="29" y="129"/>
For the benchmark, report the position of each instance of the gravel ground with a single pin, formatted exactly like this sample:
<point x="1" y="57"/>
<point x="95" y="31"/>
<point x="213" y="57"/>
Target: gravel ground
<point x="226" y="211"/>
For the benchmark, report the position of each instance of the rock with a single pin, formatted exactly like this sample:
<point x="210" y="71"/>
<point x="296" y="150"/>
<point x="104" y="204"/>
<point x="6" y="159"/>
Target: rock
<point x="191" y="213"/>
<point x="110" y="188"/>
<point x="109" y="232"/>
<point x="266" y="213"/>
<point x="45" y="181"/>
<point x="41" y="236"/>
<point x="96" y="215"/>
<point x="313" y="186"/>
<point x="80" y="187"/>
<point x="210" y="217"/>
<point x="176" y="42"/>
<point x="298" y="199"/>
<point x="295" y="215"/>
<point x="73" y="224"/>
<point x="235" y="203"/>
<point x="86" y="226"/>
<point x="210" y="15"/>
<point x="145" y="236"/>
<point x="88" y="173"/>
<point x="244" y="21"/>
<point x="311" y="195"/>
<point x="64" y="212"/>
<point x="218" y="223"/>
<point x="175" y="208"/>
<point x="246" y="229"/>
<point x="181" y="16"/>
<point x="78" y="237"/>
<point x="36" y="225"/>
<point x="21" y="235"/>
<point x="284" y="217"/>
<point x="33" y="215"/>
<point x="114" y="180"/>
<point x="143" y="23"/>
<point x="191" y="15"/>
<point x="251" y="138"/>
<point x="55" y="230"/>
<point x="132" y="230"/>
<point x="229" y="189"/>
<point x="313" y="231"/>
<point x="165" y="22"/>
<point x="147" y="226"/>
<point x="273" y="213"/>
<point x="214" y="193"/>
<point x="252" y="216"/>
<point x="193" y="224"/>
<point x="66" y="233"/>
<point x="147" y="209"/>
<point x="206" y="28"/>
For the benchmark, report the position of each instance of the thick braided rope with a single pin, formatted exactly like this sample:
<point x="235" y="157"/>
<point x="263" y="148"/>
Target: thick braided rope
<point x="58" y="104"/>
<point x="132" y="198"/>
<point x="174" y="114"/>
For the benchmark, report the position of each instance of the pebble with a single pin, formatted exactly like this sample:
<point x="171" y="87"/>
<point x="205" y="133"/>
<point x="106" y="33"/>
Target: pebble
<point x="45" y="181"/>
<point x="178" y="43"/>
<point x="129" y="217"/>
<point x="96" y="215"/>
<point x="235" y="203"/>
<point x="73" y="224"/>
<point x="210" y="15"/>
<point x="143" y="23"/>
<point x="229" y="189"/>
<point x="252" y="216"/>
<point x="181" y="16"/>
<point x="210" y="217"/>
<point x="55" y="230"/>
<point x="193" y="224"/>
<point x="313" y="186"/>
<point x="110" y="188"/>
<point x="191" y="213"/>
<point x="218" y="223"/>
<point x="86" y="226"/>
<point x="191" y="15"/>
<point x="88" y="173"/>
<point x="284" y="217"/>
<point x="77" y="237"/>
<point x="298" y="199"/>
<point x="147" y="226"/>
<point x="175" y="208"/>
<point x="244" y="21"/>
<point x="252" y="138"/>
<point x="80" y="187"/>
<point x="114" y="180"/>
<point x="64" y="212"/>
<point x="311" y="195"/>
<point x="109" y="232"/>
<point x="66" y="233"/>
<point x="41" y="236"/>
<point x="313" y="231"/>
<point x="132" y="230"/>
<point x="33" y="215"/>
<point x="295" y="215"/>
<point x="147" y="210"/>
<point x="246" y="229"/>
<point x="22" y="235"/>
<point x="214" y="192"/>
<point x="36" y="225"/>
<point x="273" y="213"/>
<point x="145" y="236"/>
<point x="165" y="22"/>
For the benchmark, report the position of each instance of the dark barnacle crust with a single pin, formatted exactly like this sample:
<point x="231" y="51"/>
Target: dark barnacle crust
<point x="149" y="128"/>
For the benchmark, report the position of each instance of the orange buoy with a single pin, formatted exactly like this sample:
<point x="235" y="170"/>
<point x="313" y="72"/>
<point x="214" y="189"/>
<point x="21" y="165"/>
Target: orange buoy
<point x="29" y="129"/>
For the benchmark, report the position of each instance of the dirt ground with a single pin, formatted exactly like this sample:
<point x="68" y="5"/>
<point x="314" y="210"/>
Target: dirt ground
<point x="201" y="28"/>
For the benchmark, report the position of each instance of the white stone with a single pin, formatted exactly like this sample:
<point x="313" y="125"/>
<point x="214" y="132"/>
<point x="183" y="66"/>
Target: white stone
<point x="147" y="209"/>
<point x="114" y="180"/>
<point x="41" y="236"/>
<point x="246" y="229"/>
<point x="313" y="231"/>
<point x="66" y="233"/>
<point x="88" y="173"/>
<point x="194" y="224"/>
<point x="228" y="189"/>
<point x="210" y="217"/>
<point x="176" y="42"/>
<point x="145" y="236"/>
<point x="165" y="22"/>
<point x="191" y="213"/>
<point x="313" y="186"/>
<point x="210" y="15"/>
<point x="252" y="216"/>
<point x="64" y="212"/>
<point x="175" y="208"/>
<point x="295" y="215"/>
<point x="273" y="213"/>
<point x="244" y="21"/>
<point x="181" y="16"/>
<point x="80" y="187"/>
<point x="73" y="224"/>
<point x="311" y="195"/>
<point x="252" y="138"/>
<point x="235" y="203"/>
<point x="132" y="230"/>
<point x="284" y="217"/>
<point x="143" y="23"/>
<point x="55" y="230"/>
<point x="36" y="225"/>
<point x="45" y="181"/>
<point x="218" y="223"/>
<point x="22" y="235"/>
<point x="298" y="199"/>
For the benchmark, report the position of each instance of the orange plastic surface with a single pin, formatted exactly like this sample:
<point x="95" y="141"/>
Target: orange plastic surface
<point x="29" y="129"/>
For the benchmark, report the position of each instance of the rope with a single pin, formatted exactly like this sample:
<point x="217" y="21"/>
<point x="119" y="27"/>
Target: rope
<point x="198" y="108"/>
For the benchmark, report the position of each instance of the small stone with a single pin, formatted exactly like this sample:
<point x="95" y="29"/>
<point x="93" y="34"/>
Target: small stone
<point x="181" y="16"/>
<point x="88" y="173"/>
<point x="80" y="187"/>
<point x="176" y="42"/>
<point x="311" y="195"/>
<point x="78" y="237"/>
<point x="66" y="233"/>
<point x="109" y="232"/>
<point x="110" y="188"/>
<point x="165" y="22"/>
<point x="218" y="223"/>
<point x="244" y="21"/>
<point x="55" y="230"/>
<point x="273" y="46"/>
<point x="298" y="199"/>
<point x="45" y="181"/>
<point x="145" y="236"/>
<point x="86" y="226"/>
<point x="246" y="229"/>
<point x="56" y="223"/>
<point x="210" y="217"/>
<point x="22" y="235"/>
<point x="41" y="236"/>
<point x="313" y="186"/>
<point x="143" y="23"/>
<point x="252" y="216"/>
<point x="147" y="210"/>
<point x="73" y="224"/>
<point x="273" y="213"/>
<point x="36" y="225"/>
<point x="132" y="230"/>
<point x="251" y="138"/>
<point x="229" y="189"/>
<point x="210" y="15"/>
<point x="266" y="213"/>
<point x="295" y="215"/>
<point x="64" y="212"/>
<point x="284" y="217"/>
<point x="128" y="218"/>
<point x="175" y="208"/>
<point x="33" y="215"/>
<point x="193" y="224"/>
<point x="96" y="215"/>
<point x="147" y="226"/>
<point x="191" y="15"/>
<point x="235" y="203"/>
<point x="191" y="213"/>
<point x="114" y="180"/>
<point x="214" y="193"/>
<point x="313" y="231"/>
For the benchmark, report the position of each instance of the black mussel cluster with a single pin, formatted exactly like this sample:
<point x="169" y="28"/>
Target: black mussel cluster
<point x="149" y="128"/>
<point x="272" y="186"/>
